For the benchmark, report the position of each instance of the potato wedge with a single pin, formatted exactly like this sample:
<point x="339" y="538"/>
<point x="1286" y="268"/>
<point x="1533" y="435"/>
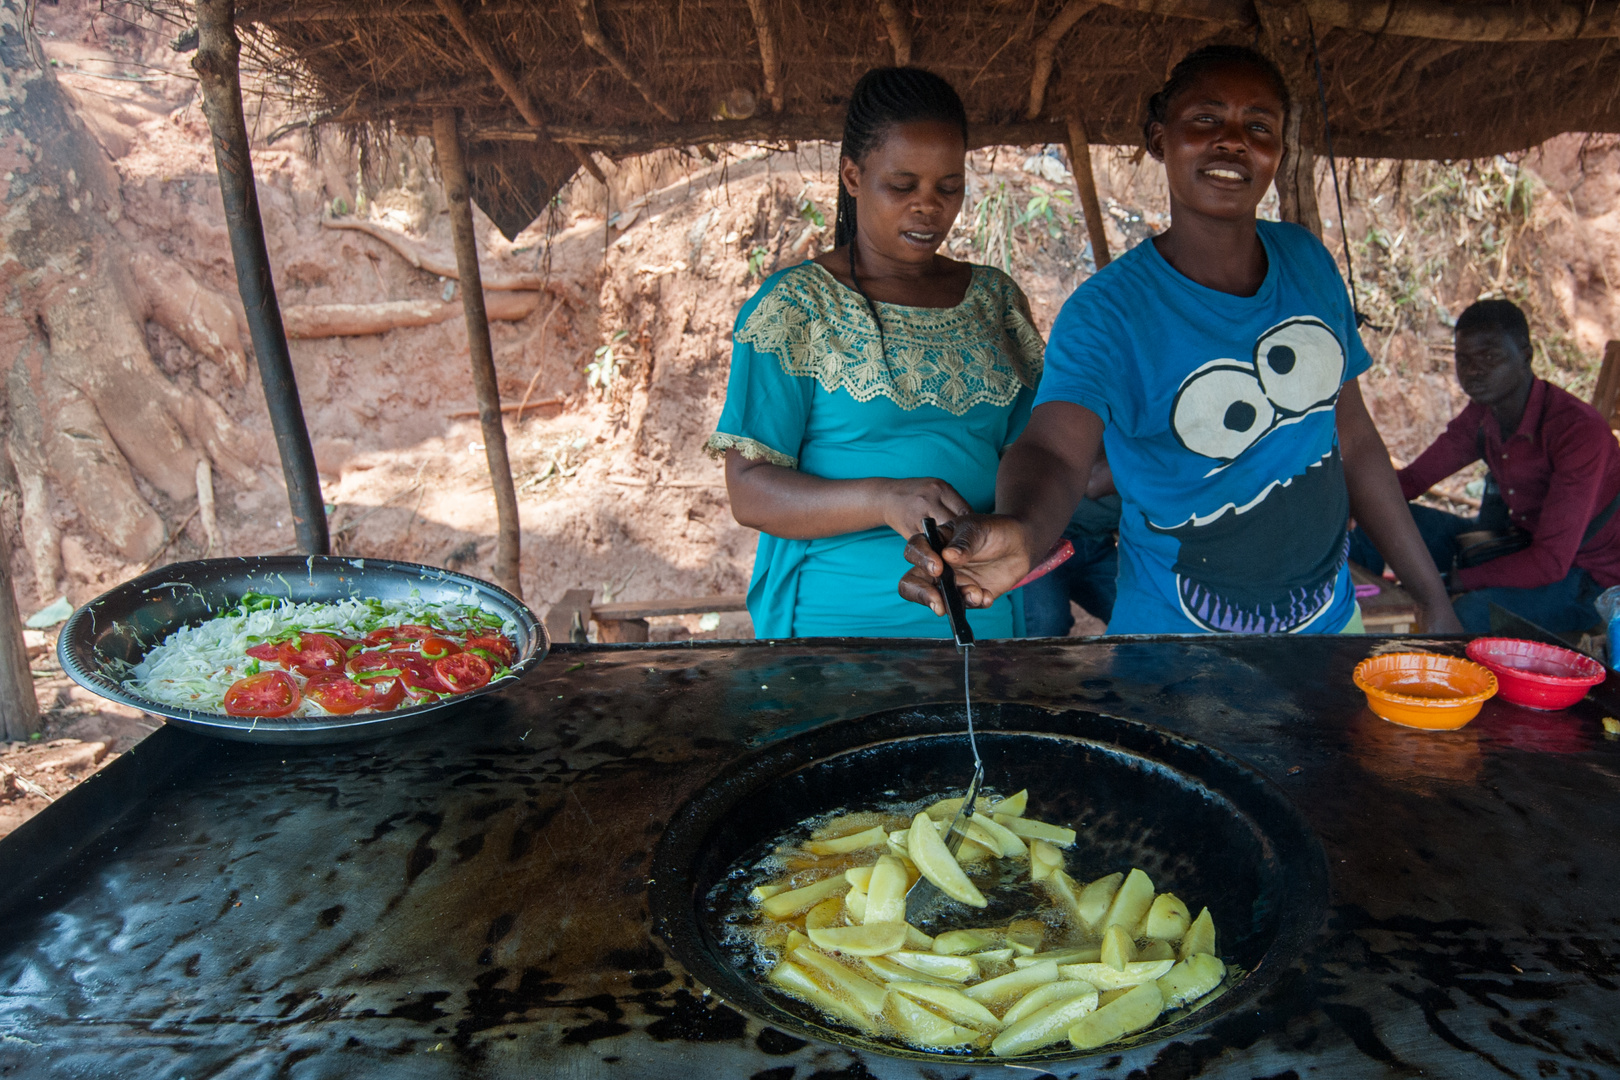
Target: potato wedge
<point x="938" y="865"/>
<point x="855" y="904"/>
<point x="765" y="892"/>
<point x="867" y="939"/>
<point x="1096" y="898"/>
<point x="876" y="836"/>
<point x="1125" y="1015"/>
<point x="962" y="942"/>
<point x="1045" y="1027"/>
<point x="1131" y="902"/>
<point x="845" y="824"/>
<point x="1030" y="829"/>
<point x="950" y="1001"/>
<point x="1191" y="979"/>
<point x="1043" y="859"/>
<point x="889" y="971"/>
<point x="1108" y="977"/>
<point x="859" y="877"/>
<point x="945" y="810"/>
<point x="1003" y="955"/>
<point x="886" y="891"/>
<point x="785" y="905"/>
<point x="795" y="981"/>
<point x="1066" y="894"/>
<point x="830" y="912"/>
<point x="972" y="852"/>
<point x="1167" y="918"/>
<point x="1042" y="996"/>
<point x="1012" y="805"/>
<point x="1011" y="846"/>
<point x="955" y="968"/>
<point x="1118" y="948"/>
<point x="1002" y="991"/>
<point x="1200" y="937"/>
<point x="1089" y="954"/>
<point x="795" y="940"/>
<point x="917" y="941"/>
<point x="1156" y="949"/>
<point x="920" y="1027"/>
<point x="848" y="984"/>
<point x="1026" y="935"/>
<point x="1104" y="997"/>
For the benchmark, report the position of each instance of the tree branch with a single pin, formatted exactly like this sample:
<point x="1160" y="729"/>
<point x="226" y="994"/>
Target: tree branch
<point x="770" y="59"/>
<point x="1046" y="47"/>
<point x="591" y="30"/>
<point x="894" y="20"/>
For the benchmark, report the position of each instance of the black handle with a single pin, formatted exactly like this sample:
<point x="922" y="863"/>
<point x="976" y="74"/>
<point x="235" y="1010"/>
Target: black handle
<point x="954" y="607"/>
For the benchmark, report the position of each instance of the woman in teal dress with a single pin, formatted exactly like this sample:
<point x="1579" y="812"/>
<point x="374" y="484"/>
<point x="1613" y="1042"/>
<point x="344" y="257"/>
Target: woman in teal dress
<point x="877" y="385"/>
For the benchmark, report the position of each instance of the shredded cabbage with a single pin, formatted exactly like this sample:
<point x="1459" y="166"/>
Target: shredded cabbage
<point x="194" y="666"/>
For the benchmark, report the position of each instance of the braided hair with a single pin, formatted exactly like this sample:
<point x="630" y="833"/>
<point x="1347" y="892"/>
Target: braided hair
<point x="883" y="98"/>
<point x="1195" y="64"/>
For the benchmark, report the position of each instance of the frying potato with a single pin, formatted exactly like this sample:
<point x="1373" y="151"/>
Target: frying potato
<point x="1131" y="902"/>
<point x="889" y="971"/>
<point x="1118" y="949"/>
<point x="785" y="905"/>
<point x="855" y="903"/>
<point x="945" y="810"/>
<point x="937" y="864"/>
<point x="995" y="956"/>
<point x="794" y="980"/>
<point x="1065" y="892"/>
<point x="1004" y="838"/>
<point x="1030" y="829"/>
<point x="1045" y="1027"/>
<point x="917" y="941"/>
<point x="863" y="993"/>
<point x="886" y="891"/>
<point x="1002" y="991"/>
<point x="845" y="824"/>
<point x="1108" y="977"/>
<point x="1105" y="997"/>
<point x="921" y="1027"/>
<point x="972" y="852"/>
<point x="897" y="842"/>
<point x="1167" y="919"/>
<point x="952" y="1002"/>
<point x="859" y="877"/>
<point x="1012" y="805"/>
<point x="1096" y="898"/>
<point x="830" y="912"/>
<point x="843" y="845"/>
<point x="1191" y="980"/>
<point x="961" y="942"/>
<point x="1123" y="1016"/>
<point x="1156" y="949"/>
<point x="765" y="892"/>
<point x="867" y="939"/>
<point x="955" y="968"/>
<point x="796" y="940"/>
<point x="1026" y="935"/>
<point x="1200" y="936"/>
<point x="1043" y="859"/>
<point x="1050" y="994"/>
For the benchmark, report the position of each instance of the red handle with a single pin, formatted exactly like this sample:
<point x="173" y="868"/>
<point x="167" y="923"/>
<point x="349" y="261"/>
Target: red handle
<point x="1061" y="552"/>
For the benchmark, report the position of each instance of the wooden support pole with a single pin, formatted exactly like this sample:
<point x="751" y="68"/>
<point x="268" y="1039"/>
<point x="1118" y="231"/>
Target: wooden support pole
<point x="770" y="57"/>
<point x="1090" y="205"/>
<point x="19" y="710"/>
<point x="453" y="168"/>
<point x="219" y="74"/>
<point x="1046" y="51"/>
<point x="894" y="21"/>
<point x="1286" y="30"/>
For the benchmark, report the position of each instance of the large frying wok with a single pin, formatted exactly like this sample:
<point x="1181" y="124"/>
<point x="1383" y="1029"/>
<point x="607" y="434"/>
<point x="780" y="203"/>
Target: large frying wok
<point x="1202" y="824"/>
<point x="118" y="628"/>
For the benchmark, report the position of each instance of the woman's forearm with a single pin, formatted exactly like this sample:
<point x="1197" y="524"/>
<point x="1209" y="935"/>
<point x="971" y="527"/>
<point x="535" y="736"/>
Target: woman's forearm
<point x="1045" y="474"/>
<point x="798" y="506"/>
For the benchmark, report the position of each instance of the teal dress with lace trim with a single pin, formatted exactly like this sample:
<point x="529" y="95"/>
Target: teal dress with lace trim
<point x="811" y="389"/>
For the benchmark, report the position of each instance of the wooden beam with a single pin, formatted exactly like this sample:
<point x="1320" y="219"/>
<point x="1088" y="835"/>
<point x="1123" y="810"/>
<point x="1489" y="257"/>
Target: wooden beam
<point x="591" y="30"/>
<point x="641" y="138"/>
<point x="506" y="79"/>
<point x="770" y="58"/>
<point x="19" y="709"/>
<point x="1090" y="205"/>
<point x="1606" y="394"/>
<point x="1046" y="48"/>
<point x="1287" y="35"/>
<point x="217" y="64"/>
<point x="899" y="30"/>
<point x="486" y="387"/>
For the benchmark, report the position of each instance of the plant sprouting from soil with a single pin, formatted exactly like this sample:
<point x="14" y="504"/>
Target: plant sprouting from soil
<point x="603" y="370"/>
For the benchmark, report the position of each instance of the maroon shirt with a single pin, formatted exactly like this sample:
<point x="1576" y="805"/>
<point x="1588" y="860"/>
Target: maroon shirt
<point x="1557" y="472"/>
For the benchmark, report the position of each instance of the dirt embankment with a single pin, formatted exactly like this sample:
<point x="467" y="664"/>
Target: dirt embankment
<point x="623" y="350"/>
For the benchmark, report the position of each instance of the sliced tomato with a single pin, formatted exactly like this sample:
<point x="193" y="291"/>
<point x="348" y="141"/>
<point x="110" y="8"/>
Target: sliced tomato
<point x="277" y="652"/>
<point x="337" y="693"/>
<point x="373" y="667"/>
<point x="398" y="635"/>
<point x="269" y="693"/>
<point x="417" y="675"/>
<point x="496" y="645"/>
<point x="463" y="672"/>
<point x="385" y="697"/>
<point x="319" y="654"/>
<point x="437" y="648"/>
<point x="350" y="645"/>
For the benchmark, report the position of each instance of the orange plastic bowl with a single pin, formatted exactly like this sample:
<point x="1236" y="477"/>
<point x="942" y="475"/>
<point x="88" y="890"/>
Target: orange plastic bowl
<point x="1425" y="690"/>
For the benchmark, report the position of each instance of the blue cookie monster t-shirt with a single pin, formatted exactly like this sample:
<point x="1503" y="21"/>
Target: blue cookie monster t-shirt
<point x="1221" y="435"/>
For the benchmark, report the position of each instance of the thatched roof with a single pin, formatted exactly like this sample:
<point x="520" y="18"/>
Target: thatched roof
<point x="541" y="80"/>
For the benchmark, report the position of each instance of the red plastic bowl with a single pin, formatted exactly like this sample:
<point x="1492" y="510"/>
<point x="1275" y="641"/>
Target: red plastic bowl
<point x="1535" y="675"/>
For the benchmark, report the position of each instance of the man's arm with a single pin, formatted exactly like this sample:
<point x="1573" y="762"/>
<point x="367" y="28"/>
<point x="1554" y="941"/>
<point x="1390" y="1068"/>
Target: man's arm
<point x="1380" y="509"/>
<point x="1456" y="448"/>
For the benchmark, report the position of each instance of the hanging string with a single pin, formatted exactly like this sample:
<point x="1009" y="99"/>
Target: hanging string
<point x="1333" y="167"/>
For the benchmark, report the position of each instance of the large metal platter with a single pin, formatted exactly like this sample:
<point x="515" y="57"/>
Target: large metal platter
<point x="1202" y="824"/>
<point x="120" y="626"/>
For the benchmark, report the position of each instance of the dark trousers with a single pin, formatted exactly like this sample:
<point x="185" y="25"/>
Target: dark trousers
<point x="1087" y="579"/>
<point x="1562" y="607"/>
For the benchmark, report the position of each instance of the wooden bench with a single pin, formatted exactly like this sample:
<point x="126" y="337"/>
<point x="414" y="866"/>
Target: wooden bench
<point x="570" y="618"/>
<point x="1391" y="611"/>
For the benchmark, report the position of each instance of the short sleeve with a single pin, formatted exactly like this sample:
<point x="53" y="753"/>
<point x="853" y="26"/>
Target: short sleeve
<point x="1356" y="358"/>
<point x="766" y="408"/>
<point x="1077" y="362"/>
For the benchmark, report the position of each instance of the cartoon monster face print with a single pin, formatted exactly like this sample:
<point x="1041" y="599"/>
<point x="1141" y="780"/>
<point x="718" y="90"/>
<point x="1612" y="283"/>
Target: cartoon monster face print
<point x="1268" y="563"/>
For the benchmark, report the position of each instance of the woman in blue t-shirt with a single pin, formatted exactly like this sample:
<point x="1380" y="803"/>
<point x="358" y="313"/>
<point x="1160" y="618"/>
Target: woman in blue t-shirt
<point x="1217" y="364"/>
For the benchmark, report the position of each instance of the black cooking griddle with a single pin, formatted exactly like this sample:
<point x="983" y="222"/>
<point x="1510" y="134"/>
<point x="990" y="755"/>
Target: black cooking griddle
<point x="1202" y="824"/>
<point x="110" y="634"/>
